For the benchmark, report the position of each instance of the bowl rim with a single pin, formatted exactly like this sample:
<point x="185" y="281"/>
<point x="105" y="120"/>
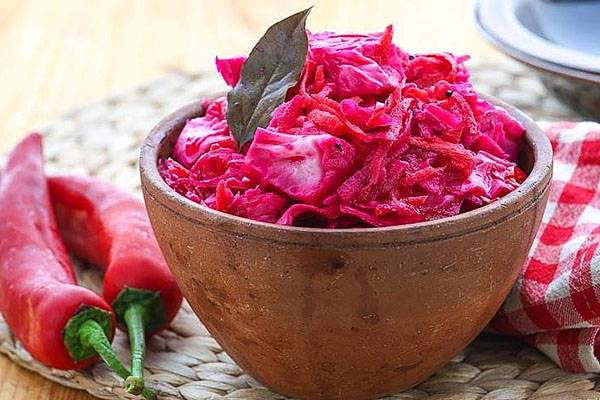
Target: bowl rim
<point x="498" y="19"/>
<point x="487" y="217"/>
<point x="529" y="59"/>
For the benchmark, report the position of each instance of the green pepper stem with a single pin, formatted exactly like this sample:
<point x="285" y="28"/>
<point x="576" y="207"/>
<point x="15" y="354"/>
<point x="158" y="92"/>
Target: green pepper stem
<point x="141" y="311"/>
<point x="148" y="394"/>
<point x="135" y="317"/>
<point x="92" y="335"/>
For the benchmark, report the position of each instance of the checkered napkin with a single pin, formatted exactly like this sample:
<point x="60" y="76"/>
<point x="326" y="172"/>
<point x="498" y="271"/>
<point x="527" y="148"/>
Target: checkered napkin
<point x="555" y="304"/>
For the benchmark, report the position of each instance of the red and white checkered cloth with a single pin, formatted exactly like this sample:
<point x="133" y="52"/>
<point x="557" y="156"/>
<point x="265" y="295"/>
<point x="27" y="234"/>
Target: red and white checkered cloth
<point x="555" y="304"/>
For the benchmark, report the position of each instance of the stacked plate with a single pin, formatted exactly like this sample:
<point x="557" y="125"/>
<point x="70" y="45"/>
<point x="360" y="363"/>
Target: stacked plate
<point x="560" y="39"/>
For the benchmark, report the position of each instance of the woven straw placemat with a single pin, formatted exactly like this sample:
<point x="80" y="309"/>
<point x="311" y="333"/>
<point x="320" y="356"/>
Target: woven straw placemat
<point x="185" y="362"/>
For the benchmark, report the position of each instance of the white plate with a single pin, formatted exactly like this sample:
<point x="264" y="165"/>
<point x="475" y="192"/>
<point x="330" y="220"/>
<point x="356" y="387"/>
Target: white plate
<point x="566" y="33"/>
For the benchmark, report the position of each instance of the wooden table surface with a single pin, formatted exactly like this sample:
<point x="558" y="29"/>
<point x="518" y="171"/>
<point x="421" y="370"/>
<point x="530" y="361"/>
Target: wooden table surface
<point x="58" y="54"/>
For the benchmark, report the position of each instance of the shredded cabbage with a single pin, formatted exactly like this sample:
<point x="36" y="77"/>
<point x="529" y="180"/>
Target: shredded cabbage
<point x="371" y="136"/>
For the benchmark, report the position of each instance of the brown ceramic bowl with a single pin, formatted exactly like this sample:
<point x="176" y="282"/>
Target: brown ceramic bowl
<point x="344" y="314"/>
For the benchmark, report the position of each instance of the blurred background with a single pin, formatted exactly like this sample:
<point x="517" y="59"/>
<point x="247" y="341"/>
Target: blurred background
<point x="60" y="54"/>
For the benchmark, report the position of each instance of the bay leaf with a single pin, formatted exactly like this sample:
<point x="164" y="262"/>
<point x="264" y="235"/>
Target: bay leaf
<point x="274" y="65"/>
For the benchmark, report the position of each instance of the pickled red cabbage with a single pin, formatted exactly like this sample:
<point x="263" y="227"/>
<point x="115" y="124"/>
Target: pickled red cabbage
<point x="371" y="136"/>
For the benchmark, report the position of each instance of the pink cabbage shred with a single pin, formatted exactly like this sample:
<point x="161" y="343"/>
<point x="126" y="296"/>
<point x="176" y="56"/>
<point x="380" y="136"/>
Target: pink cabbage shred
<point x="371" y="136"/>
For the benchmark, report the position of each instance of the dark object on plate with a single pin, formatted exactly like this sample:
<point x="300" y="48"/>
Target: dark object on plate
<point x="559" y="39"/>
<point x="344" y="314"/>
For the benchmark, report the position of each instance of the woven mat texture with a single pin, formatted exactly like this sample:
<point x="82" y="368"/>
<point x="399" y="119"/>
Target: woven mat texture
<point x="185" y="362"/>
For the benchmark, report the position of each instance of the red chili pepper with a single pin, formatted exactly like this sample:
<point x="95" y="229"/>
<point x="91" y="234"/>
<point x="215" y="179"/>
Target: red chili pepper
<point x="61" y="324"/>
<point x="110" y="228"/>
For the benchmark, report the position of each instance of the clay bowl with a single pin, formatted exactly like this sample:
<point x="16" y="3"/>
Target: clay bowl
<point x="344" y="314"/>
